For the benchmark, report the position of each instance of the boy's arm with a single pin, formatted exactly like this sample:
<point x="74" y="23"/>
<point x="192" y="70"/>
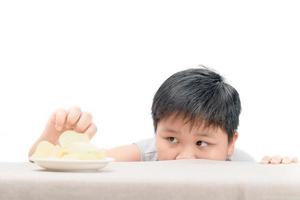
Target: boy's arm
<point x="74" y="119"/>
<point x="124" y="153"/>
<point x="62" y="120"/>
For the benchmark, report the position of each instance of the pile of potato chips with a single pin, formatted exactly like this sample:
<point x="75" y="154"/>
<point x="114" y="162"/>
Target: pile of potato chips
<point x="72" y="146"/>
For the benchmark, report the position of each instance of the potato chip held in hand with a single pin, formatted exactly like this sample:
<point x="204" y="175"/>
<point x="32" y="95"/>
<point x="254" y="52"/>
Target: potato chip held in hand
<point x="69" y="137"/>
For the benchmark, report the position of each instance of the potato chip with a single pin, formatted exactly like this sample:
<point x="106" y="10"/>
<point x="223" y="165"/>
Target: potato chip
<point x="82" y="156"/>
<point x="69" y="137"/>
<point x="43" y="150"/>
<point x="81" y="147"/>
<point x="84" y="151"/>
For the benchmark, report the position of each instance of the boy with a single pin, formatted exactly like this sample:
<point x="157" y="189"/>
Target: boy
<point x="195" y="115"/>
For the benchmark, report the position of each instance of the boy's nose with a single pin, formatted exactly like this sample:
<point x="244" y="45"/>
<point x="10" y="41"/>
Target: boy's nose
<point x="187" y="154"/>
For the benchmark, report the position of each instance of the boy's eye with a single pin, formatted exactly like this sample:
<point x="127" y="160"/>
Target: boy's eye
<point x="172" y="140"/>
<point x="201" y="143"/>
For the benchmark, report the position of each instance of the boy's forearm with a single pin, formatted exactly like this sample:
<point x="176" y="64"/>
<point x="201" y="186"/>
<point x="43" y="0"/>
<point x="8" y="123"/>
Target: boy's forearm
<point x="124" y="153"/>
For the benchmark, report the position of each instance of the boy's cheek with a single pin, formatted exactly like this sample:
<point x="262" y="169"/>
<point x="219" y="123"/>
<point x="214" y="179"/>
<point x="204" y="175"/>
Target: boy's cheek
<point x="165" y="153"/>
<point x="218" y="156"/>
<point x="219" y="152"/>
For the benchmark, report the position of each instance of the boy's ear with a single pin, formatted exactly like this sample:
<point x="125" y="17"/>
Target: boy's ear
<point x="230" y="149"/>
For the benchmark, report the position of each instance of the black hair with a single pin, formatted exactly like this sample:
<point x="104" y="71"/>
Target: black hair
<point x="200" y="95"/>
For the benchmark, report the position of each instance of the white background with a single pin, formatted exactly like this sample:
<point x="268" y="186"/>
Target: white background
<point x="110" y="57"/>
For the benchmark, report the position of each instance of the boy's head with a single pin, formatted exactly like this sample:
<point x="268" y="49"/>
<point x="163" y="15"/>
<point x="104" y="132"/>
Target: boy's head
<point x="195" y="115"/>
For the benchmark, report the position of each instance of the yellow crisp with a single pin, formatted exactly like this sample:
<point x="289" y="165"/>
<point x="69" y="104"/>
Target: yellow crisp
<point x="72" y="145"/>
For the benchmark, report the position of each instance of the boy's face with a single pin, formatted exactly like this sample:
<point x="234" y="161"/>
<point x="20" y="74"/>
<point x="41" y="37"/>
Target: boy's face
<point x="176" y="140"/>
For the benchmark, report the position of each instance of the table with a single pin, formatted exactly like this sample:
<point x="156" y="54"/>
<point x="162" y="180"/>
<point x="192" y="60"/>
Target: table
<point x="183" y="179"/>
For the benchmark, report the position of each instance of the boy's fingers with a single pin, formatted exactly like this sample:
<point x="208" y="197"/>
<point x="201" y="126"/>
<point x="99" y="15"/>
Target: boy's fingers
<point x="276" y="160"/>
<point x="295" y="160"/>
<point x="91" y="131"/>
<point x="73" y="116"/>
<point x="265" y="160"/>
<point x="52" y="118"/>
<point x="84" y="122"/>
<point x="60" y="118"/>
<point x="286" y="160"/>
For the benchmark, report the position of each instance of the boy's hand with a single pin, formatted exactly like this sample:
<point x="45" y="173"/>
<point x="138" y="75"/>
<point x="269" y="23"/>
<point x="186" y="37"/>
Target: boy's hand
<point x="62" y="120"/>
<point x="72" y="119"/>
<point x="278" y="160"/>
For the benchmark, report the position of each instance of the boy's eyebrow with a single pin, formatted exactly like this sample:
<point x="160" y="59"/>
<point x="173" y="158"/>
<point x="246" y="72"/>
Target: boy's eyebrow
<point x="171" y="130"/>
<point x="205" y="134"/>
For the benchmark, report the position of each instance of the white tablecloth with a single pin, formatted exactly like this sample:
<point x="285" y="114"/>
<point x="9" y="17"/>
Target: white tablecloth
<point x="185" y="179"/>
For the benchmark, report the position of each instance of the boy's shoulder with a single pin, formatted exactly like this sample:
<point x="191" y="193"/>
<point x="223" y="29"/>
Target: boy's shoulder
<point x="147" y="149"/>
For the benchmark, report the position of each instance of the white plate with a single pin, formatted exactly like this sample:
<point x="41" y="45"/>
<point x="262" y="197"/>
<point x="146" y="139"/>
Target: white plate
<point x="71" y="165"/>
